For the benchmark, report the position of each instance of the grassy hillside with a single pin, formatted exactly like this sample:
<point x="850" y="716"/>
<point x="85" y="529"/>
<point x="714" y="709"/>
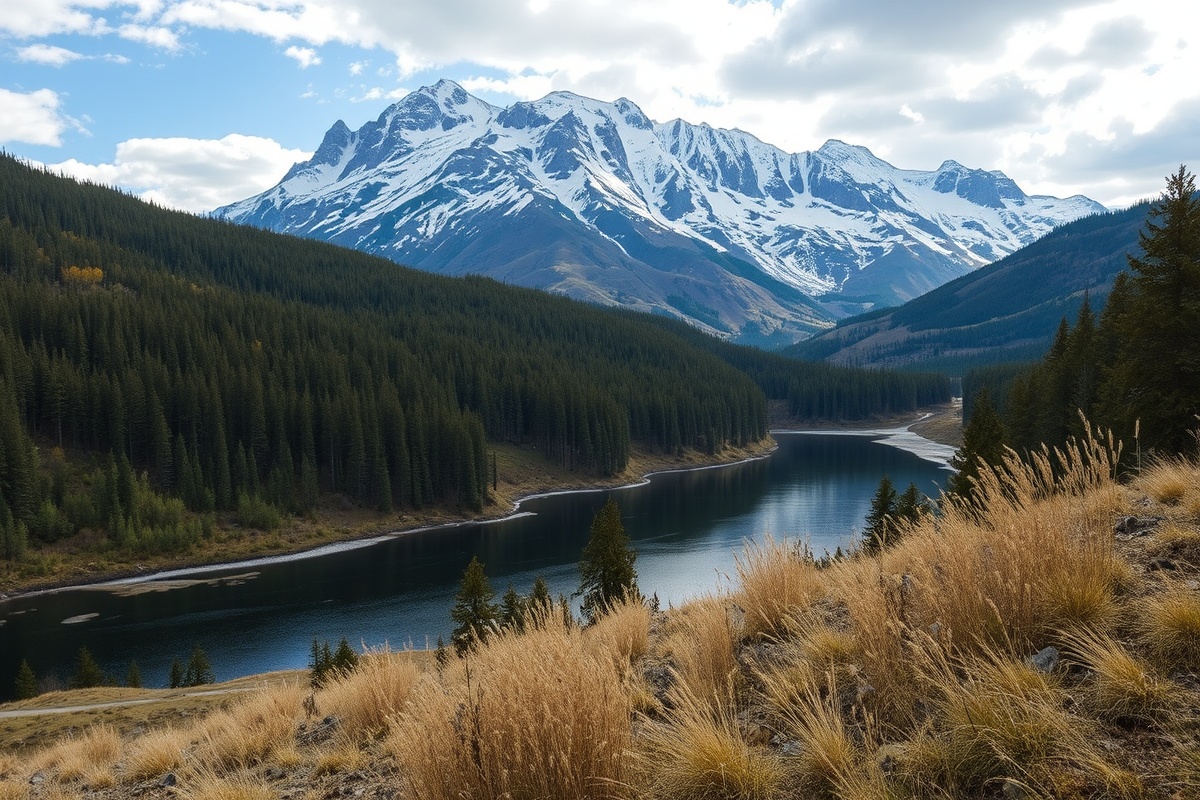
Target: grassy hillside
<point x="924" y="671"/>
<point x="1006" y="311"/>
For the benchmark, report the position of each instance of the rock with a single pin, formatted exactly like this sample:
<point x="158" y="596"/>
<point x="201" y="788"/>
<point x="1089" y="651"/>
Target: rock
<point x="791" y="748"/>
<point x="274" y="774"/>
<point x="1013" y="790"/>
<point x="1045" y="660"/>
<point x="37" y="777"/>
<point x="168" y="780"/>
<point x="1136" y="526"/>
<point x="1193" y="585"/>
<point x="1162" y="564"/>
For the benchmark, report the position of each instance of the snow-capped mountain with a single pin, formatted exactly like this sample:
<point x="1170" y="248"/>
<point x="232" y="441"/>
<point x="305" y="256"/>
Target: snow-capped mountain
<point x="596" y="201"/>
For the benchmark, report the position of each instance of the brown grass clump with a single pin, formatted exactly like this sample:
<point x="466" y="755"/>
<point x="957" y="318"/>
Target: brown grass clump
<point x="533" y="715"/>
<point x="208" y="785"/>
<point x="830" y="762"/>
<point x="88" y="758"/>
<point x="776" y="579"/>
<point x="1125" y="688"/>
<point x="1169" y="624"/>
<point x="623" y="632"/>
<point x="249" y="732"/>
<point x="156" y="753"/>
<point x="995" y="722"/>
<point x="1171" y="481"/>
<point x="698" y="753"/>
<point x="367" y="697"/>
<point x="12" y="789"/>
<point x="700" y="640"/>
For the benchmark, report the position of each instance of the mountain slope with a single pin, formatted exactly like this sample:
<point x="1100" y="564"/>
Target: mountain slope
<point x="1008" y="310"/>
<point x="595" y="201"/>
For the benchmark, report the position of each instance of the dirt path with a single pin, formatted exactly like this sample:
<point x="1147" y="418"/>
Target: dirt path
<point x="36" y="712"/>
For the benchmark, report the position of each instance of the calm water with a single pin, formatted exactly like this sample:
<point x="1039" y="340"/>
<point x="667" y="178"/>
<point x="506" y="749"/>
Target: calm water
<point x="686" y="528"/>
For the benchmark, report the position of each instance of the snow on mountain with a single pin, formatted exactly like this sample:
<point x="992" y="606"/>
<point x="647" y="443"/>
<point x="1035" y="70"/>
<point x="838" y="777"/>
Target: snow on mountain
<point x="594" y="200"/>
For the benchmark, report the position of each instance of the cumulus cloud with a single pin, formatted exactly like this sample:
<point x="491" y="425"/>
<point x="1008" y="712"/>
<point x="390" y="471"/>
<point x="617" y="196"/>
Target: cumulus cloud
<point x="192" y="174"/>
<point x="32" y="118"/>
<point x="305" y="56"/>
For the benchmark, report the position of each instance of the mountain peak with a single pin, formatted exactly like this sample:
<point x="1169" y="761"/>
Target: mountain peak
<point x="593" y="199"/>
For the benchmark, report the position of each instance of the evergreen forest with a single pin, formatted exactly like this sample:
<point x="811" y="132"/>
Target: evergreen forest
<point x="189" y="367"/>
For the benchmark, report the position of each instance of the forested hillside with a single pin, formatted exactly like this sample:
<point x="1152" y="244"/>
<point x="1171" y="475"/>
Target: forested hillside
<point x="1006" y="311"/>
<point x="157" y="367"/>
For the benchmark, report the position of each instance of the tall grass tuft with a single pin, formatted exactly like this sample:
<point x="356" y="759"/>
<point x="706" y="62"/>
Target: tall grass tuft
<point x="1169" y="624"/>
<point x="700" y="639"/>
<point x="622" y="633"/>
<point x="156" y="752"/>
<point x="367" y="697"/>
<point x="1125" y="688"/>
<point x="533" y="715"/>
<point x="776" y="578"/>
<point x="698" y="753"/>
<point x="249" y="732"/>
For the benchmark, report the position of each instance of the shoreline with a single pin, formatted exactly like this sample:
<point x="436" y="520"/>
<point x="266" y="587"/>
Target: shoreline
<point x="896" y="436"/>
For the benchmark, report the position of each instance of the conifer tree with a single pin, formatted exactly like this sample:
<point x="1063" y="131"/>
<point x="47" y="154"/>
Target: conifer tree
<point x="26" y="683"/>
<point x="474" y="612"/>
<point x="513" y="608"/>
<point x="911" y="506"/>
<point x="983" y="443"/>
<point x="87" y="671"/>
<point x="540" y="602"/>
<point x="344" y="657"/>
<point x="175" y="680"/>
<point x="133" y="676"/>
<point x="1156" y="375"/>
<point x="199" y="670"/>
<point x="606" y="568"/>
<point x="881" y="518"/>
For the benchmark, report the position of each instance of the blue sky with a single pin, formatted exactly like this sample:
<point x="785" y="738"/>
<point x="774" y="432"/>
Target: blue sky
<point x="196" y="103"/>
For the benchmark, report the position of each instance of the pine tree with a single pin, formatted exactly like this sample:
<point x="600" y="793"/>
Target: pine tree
<point x="87" y="671"/>
<point x="473" y="610"/>
<point x="176" y="679"/>
<point x="26" y="683"/>
<point x="441" y="655"/>
<point x="540" y="602"/>
<point x="1156" y="376"/>
<point x="606" y="568"/>
<point x="911" y="506"/>
<point x="199" y="670"/>
<point x="344" y="658"/>
<point x="983" y="443"/>
<point x="881" y="519"/>
<point x="133" y="676"/>
<point x="513" y="608"/>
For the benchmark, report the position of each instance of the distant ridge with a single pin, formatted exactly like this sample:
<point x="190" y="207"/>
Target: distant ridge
<point x="594" y="200"/>
<point x="1002" y="312"/>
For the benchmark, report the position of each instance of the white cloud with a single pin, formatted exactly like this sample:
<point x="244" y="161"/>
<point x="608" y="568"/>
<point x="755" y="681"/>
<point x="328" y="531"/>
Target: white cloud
<point x="305" y="56"/>
<point x="49" y="55"/>
<point x="24" y="18"/>
<point x="33" y="118"/>
<point x="54" y="56"/>
<point x="358" y="66"/>
<point x="192" y="174"/>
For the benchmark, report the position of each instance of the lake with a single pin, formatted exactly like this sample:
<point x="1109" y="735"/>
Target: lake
<point x="687" y="528"/>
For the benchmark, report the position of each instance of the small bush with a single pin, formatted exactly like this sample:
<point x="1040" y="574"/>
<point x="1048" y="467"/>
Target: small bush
<point x="1170" y="626"/>
<point x="1125" y="688"/>
<point x="254" y="512"/>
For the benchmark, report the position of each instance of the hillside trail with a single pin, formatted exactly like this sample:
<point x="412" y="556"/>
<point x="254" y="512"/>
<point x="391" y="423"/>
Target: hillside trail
<point x="35" y="712"/>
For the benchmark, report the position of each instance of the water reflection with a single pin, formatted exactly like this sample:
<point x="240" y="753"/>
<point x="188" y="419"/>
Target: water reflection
<point x="685" y="526"/>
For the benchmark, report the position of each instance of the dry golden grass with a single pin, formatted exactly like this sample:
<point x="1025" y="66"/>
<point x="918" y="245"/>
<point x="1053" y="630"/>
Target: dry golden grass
<point x="1169" y="624"/>
<point x="533" y="715"/>
<point x="157" y="752"/>
<point x="342" y="757"/>
<point x="1125" y="688"/>
<point x="776" y="579"/>
<point x="698" y="753"/>
<point x="12" y="789"/>
<point x="829" y="761"/>
<point x="250" y="731"/>
<point x="90" y="756"/>
<point x="209" y="785"/>
<point x="700" y="639"/>
<point x="1171" y="481"/>
<point x="375" y="691"/>
<point x="623" y="633"/>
